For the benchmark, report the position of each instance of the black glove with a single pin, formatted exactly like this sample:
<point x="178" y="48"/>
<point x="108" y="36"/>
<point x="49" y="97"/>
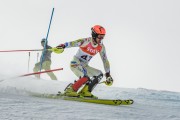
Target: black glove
<point x="109" y="80"/>
<point x="61" y="46"/>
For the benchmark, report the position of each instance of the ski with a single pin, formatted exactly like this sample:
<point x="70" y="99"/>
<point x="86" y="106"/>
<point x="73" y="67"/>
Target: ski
<point x="101" y="101"/>
<point x="114" y="102"/>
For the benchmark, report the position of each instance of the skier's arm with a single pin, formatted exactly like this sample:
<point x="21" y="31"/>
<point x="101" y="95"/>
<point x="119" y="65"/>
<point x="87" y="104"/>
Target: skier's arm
<point x="104" y="59"/>
<point x="106" y="64"/>
<point x="48" y="47"/>
<point x="75" y="43"/>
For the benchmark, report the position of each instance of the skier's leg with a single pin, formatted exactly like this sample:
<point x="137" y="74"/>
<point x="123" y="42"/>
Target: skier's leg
<point x="52" y="76"/>
<point x="46" y="66"/>
<point x="79" y="71"/>
<point x="94" y="81"/>
<point x="77" y="68"/>
<point x="36" y="69"/>
<point x="96" y="76"/>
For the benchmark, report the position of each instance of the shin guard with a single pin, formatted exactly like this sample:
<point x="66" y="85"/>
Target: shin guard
<point x="79" y="83"/>
<point x="95" y="80"/>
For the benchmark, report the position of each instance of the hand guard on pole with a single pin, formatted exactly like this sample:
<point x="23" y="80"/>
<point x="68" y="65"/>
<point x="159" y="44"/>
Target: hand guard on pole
<point x="109" y="80"/>
<point x="58" y="49"/>
<point x="61" y="46"/>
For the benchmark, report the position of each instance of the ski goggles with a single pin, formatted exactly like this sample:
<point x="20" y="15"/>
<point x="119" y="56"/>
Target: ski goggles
<point x="100" y="37"/>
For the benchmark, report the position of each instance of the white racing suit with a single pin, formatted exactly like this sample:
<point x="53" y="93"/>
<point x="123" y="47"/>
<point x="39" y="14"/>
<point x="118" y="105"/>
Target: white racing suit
<point x="79" y="64"/>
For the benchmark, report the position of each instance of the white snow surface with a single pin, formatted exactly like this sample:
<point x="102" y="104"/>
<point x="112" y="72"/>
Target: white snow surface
<point x="17" y="104"/>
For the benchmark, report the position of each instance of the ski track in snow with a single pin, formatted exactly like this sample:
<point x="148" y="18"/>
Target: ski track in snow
<point x="17" y="104"/>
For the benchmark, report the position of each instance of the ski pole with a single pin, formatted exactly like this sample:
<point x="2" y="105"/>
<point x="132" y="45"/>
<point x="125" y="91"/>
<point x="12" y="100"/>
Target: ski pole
<point x="102" y="82"/>
<point x="105" y="83"/>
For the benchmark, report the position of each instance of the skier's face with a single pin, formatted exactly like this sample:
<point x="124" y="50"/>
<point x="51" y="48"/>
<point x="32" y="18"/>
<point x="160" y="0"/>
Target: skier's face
<point x="99" y="38"/>
<point x="42" y="43"/>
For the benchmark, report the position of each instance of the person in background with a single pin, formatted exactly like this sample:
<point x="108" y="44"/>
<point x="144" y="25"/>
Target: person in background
<point x="46" y="63"/>
<point x="87" y="76"/>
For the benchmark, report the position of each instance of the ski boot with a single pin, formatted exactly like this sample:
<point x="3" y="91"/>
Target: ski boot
<point x="69" y="91"/>
<point x="86" y="93"/>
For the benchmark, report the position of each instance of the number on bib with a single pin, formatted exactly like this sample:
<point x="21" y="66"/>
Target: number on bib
<point x="86" y="57"/>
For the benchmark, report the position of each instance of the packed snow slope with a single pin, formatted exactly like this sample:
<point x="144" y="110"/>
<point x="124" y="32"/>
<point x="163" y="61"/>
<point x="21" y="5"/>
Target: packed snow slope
<point x="17" y="104"/>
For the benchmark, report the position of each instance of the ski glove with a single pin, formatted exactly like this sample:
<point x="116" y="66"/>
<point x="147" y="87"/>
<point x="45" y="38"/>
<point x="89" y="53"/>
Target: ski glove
<point x="61" y="46"/>
<point x="109" y="80"/>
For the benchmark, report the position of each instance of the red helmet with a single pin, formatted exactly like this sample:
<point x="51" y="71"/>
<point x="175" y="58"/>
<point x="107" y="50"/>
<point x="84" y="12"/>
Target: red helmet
<point x="97" y="30"/>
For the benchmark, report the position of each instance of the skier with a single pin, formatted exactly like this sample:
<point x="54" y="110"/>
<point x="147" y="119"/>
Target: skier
<point x="88" y="47"/>
<point x="46" y="63"/>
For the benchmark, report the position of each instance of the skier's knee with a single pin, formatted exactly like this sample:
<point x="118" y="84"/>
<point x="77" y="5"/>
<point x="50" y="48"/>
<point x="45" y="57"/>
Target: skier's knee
<point x="73" y="64"/>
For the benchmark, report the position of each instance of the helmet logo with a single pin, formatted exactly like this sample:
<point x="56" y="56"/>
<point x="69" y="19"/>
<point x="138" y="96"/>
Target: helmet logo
<point x="100" y="29"/>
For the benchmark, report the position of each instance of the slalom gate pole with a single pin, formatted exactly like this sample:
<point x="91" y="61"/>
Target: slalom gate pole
<point x="46" y="71"/>
<point x="20" y="50"/>
<point x="29" y="61"/>
<point x="42" y="56"/>
<point x="32" y="74"/>
<point x="55" y="50"/>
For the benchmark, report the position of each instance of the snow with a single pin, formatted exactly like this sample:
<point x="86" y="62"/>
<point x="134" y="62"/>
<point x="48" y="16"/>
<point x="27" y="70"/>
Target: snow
<point x="17" y="104"/>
